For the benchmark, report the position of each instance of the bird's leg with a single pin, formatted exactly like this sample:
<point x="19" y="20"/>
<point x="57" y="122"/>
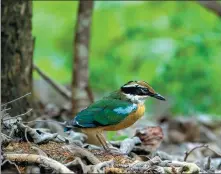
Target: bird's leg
<point x="102" y="141"/>
<point x="108" y="146"/>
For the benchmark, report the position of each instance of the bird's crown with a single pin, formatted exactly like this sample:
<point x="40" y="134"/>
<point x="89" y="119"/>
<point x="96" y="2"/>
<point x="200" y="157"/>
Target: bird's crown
<point x="139" y="90"/>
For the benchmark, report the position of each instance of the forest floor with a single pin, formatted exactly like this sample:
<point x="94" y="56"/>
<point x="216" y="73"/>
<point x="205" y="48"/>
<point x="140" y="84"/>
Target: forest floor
<point x="167" y="145"/>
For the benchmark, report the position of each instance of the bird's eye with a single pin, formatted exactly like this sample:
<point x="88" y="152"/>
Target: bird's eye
<point x="143" y="91"/>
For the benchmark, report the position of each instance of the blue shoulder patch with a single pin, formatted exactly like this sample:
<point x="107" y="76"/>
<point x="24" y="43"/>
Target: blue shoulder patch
<point x="127" y="110"/>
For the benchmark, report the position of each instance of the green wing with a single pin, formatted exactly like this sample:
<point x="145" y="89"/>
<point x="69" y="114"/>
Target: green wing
<point x="104" y="112"/>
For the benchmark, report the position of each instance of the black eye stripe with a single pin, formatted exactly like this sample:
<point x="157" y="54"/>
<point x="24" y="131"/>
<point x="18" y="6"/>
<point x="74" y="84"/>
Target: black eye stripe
<point x="135" y="90"/>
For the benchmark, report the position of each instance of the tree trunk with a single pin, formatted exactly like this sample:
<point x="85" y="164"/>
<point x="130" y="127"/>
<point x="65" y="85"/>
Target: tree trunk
<point x="81" y="94"/>
<point x="213" y="6"/>
<point x="17" y="52"/>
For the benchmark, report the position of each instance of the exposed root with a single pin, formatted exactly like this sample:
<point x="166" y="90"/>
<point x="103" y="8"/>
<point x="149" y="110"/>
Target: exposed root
<point x="97" y="168"/>
<point x="37" y="135"/>
<point x="42" y="160"/>
<point x="128" y="144"/>
<point x="5" y="138"/>
<point x="80" y="152"/>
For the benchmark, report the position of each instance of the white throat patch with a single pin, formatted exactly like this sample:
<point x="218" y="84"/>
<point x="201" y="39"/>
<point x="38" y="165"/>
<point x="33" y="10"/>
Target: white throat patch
<point x="135" y="98"/>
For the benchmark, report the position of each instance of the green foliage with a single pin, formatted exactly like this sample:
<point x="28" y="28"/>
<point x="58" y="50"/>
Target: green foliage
<point x="188" y="77"/>
<point x="112" y="135"/>
<point x="175" y="46"/>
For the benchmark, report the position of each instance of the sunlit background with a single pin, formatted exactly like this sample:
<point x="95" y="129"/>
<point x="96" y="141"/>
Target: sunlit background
<point x="174" y="46"/>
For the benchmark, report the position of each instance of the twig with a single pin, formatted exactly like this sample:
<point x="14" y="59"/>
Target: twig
<point x="18" y="115"/>
<point x="190" y="151"/>
<point x="62" y="90"/>
<point x="197" y="147"/>
<point x="16" y="99"/>
<point x="218" y="154"/>
<point x="53" y="121"/>
<point x="5" y="109"/>
<point x="39" y="160"/>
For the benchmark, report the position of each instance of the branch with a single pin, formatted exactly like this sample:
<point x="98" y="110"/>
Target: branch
<point x="59" y="88"/>
<point x="212" y="5"/>
<point x="89" y="93"/>
<point x="39" y="160"/>
<point x="48" y="121"/>
<point x="16" y="99"/>
<point x="189" y="152"/>
<point x="18" y="115"/>
<point x="197" y="147"/>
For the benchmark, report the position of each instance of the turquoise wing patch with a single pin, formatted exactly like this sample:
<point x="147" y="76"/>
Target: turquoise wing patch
<point x="104" y="112"/>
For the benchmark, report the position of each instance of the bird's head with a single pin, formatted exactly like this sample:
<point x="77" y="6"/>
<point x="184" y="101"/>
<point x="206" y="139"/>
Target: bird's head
<point x="138" y="91"/>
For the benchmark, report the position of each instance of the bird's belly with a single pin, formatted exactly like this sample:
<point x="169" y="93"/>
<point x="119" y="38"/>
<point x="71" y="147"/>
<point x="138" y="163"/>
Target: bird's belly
<point x="128" y="121"/>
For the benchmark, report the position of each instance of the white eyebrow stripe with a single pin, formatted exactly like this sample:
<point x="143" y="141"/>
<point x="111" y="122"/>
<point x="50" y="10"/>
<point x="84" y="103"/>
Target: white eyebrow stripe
<point x="135" y="85"/>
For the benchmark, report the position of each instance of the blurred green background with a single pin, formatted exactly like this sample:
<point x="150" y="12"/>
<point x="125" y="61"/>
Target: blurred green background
<point x="174" y="46"/>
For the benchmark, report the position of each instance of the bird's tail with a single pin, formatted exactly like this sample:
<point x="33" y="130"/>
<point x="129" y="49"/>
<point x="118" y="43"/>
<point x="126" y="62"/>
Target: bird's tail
<point x="69" y="125"/>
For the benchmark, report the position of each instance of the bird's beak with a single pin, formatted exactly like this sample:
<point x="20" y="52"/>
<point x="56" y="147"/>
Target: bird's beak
<point x="158" y="96"/>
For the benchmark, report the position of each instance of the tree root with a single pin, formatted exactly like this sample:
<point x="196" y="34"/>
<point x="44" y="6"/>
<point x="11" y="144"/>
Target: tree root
<point x="98" y="168"/>
<point x="128" y="144"/>
<point x="37" y="135"/>
<point x="5" y="138"/>
<point x="80" y="152"/>
<point x="42" y="160"/>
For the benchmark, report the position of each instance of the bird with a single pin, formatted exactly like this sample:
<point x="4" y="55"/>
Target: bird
<point x="118" y="110"/>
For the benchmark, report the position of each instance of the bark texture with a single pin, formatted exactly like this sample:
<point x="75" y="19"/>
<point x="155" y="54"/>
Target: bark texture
<point x="81" y="93"/>
<point x="17" y="52"/>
